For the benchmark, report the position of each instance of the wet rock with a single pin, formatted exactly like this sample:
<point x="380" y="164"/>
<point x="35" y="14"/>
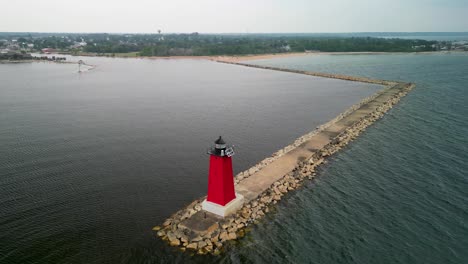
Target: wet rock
<point x="223" y="236"/>
<point x="246" y="213"/>
<point x="209" y="248"/>
<point x="276" y="190"/>
<point x="232" y="236"/>
<point x="218" y="244"/>
<point x="192" y="246"/>
<point x="215" y="238"/>
<point x="178" y="233"/>
<point x="265" y="199"/>
<point x="167" y="222"/>
<point x="197" y="238"/>
<point x="201" y="244"/>
<point x="173" y="240"/>
<point x="193" y="204"/>
<point x="232" y="229"/>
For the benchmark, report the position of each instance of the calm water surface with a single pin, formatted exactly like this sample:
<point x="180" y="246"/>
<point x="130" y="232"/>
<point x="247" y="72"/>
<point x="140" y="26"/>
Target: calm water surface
<point x="399" y="193"/>
<point x="90" y="162"/>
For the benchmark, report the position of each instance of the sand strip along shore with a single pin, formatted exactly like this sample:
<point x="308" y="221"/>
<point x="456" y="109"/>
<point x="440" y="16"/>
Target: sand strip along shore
<point x="266" y="183"/>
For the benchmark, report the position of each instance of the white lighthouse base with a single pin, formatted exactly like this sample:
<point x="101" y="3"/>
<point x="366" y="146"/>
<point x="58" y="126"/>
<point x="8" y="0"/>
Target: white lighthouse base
<point x="226" y="210"/>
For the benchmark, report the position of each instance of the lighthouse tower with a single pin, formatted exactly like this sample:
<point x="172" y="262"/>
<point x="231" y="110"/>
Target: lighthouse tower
<point x="222" y="199"/>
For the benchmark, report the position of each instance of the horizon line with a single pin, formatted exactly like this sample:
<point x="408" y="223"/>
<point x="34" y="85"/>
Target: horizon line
<point x="234" y="33"/>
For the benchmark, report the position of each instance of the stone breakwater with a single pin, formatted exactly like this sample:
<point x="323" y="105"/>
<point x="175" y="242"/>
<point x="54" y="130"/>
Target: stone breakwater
<point x="318" y="74"/>
<point x="267" y="182"/>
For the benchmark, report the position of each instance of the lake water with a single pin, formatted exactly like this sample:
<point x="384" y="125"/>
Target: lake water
<point x="90" y="162"/>
<point x="437" y="36"/>
<point x="399" y="193"/>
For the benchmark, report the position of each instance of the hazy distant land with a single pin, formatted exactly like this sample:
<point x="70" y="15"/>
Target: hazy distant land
<point x="195" y="44"/>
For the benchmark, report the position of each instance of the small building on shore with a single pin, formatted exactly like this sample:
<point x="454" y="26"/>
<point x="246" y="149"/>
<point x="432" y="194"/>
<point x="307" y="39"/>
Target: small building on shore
<point x="47" y="50"/>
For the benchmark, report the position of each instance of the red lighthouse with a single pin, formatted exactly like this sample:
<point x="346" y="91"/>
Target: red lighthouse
<point x="221" y="199"/>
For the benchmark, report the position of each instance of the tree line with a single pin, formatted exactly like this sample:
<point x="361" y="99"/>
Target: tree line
<point x="220" y="44"/>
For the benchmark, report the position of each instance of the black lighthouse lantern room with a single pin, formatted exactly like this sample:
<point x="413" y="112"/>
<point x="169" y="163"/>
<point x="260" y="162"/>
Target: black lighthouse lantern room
<point x="221" y="149"/>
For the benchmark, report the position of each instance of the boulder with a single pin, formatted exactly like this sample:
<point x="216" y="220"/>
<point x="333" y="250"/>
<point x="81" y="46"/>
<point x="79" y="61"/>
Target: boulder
<point x="223" y="236"/>
<point x="167" y="222"/>
<point x="246" y="213"/>
<point x="209" y="248"/>
<point x="178" y="233"/>
<point x="208" y="242"/>
<point x="276" y="190"/>
<point x="232" y="236"/>
<point x="192" y="246"/>
<point x="232" y="229"/>
<point x="218" y="244"/>
<point x="197" y="238"/>
<point x="266" y="199"/>
<point x="215" y="238"/>
<point x="201" y="244"/>
<point x="184" y="239"/>
<point x="173" y="241"/>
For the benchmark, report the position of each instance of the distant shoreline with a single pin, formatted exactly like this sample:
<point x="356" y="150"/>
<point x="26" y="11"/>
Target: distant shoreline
<point x="30" y="61"/>
<point x="88" y="67"/>
<point x="248" y="57"/>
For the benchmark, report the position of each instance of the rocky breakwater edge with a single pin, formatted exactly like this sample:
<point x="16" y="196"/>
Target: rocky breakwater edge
<point x="343" y="129"/>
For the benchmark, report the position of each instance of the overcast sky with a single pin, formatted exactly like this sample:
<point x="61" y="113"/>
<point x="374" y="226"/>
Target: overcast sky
<point x="233" y="16"/>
